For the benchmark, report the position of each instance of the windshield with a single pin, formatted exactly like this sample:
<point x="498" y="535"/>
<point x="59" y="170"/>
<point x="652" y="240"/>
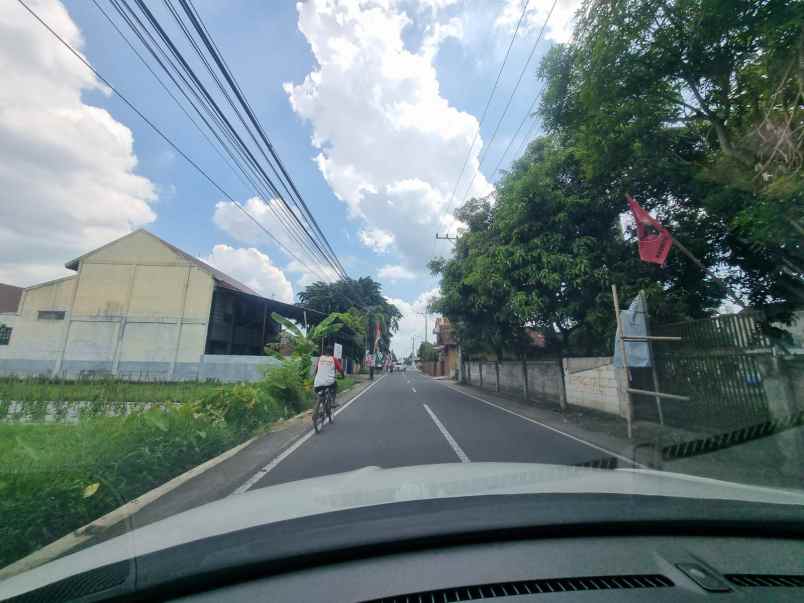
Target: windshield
<point x="244" y="244"/>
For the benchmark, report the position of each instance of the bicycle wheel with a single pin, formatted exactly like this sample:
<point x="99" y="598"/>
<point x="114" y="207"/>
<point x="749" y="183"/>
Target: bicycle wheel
<point x="318" y="415"/>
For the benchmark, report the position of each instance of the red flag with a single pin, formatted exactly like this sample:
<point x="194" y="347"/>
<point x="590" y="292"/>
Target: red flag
<point x="377" y="334"/>
<point x="654" y="239"/>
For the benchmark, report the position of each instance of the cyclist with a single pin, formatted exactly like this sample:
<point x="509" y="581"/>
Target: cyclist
<point x="325" y="372"/>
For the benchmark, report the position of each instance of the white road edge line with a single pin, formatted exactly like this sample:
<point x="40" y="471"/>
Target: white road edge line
<point x="291" y="449"/>
<point x="540" y="424"/>
<point x="458" y="450"/>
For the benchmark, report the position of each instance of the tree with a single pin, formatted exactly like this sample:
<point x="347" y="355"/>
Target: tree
<point x="474" y="296"/>
<point x="426" y="353"/>
<point x="361" y="297"/>
<point x="544" y="258"/>
<point x="695" y="107"/>
<point x="347" y="326"/>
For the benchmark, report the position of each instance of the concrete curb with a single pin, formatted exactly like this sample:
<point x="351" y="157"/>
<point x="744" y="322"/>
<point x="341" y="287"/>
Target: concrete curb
<point x="79" y="536"/>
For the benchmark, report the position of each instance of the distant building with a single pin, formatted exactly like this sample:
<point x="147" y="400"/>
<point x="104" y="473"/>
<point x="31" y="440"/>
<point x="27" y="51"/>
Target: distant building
<point x="141" y="308"/>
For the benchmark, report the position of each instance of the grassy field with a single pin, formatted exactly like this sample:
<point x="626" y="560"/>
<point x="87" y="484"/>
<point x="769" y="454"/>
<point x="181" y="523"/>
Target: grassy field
<point x="40" y="390"/>
<point x="58" y="476"/>
<point x="55" y="478"/>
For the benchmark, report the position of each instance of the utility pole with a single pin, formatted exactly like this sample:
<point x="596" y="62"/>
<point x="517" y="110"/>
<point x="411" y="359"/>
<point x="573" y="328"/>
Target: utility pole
<point x="412" y="347"/>
<point x="425" y="314"/>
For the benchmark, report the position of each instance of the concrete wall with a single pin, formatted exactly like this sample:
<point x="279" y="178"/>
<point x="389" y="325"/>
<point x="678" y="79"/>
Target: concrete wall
<point x="543" y="378"/>
<point x="592" y="383"/>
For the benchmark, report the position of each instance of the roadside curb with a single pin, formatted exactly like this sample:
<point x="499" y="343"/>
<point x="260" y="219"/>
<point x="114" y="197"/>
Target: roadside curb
<point x="81" y="535"/>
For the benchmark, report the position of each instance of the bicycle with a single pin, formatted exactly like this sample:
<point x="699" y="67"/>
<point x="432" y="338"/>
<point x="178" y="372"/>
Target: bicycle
<point x="322" y="410"/>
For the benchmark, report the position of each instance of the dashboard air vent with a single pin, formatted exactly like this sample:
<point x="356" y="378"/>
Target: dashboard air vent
<point x="532" y="587"/>
<point x="773" y="580"/>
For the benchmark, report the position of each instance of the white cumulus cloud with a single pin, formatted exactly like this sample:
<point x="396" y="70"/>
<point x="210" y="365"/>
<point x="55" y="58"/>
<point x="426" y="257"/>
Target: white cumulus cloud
<point x="377" y="239"/>
<point x="67" y="169"/>
<point x="390" y="145"/>
<point x="559" y="27"/>
<point x="232" y="220"/>
<point x="252" y="268"/>
<point x="395" y="272"/>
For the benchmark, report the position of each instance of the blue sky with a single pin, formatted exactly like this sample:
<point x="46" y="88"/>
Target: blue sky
<point x="371" y="105"/>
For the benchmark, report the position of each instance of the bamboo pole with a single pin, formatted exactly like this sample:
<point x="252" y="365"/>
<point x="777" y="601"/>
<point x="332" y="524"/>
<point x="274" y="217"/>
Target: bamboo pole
<point x="629" y="406"/>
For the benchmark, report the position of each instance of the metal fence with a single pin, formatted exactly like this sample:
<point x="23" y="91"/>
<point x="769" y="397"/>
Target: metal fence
<point x="718" y="365"/>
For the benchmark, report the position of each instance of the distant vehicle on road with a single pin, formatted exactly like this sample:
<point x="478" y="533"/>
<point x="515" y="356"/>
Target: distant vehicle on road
<point x="400" y="367"/>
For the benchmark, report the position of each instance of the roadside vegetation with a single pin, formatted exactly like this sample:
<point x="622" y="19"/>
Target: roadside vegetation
<point x="58" y="475"/>
<point x="695" y="109"/>
<point x="41" y="389"/>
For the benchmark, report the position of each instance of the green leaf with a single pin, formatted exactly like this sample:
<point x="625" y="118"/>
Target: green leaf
<point x="156" y="418"/>
<point x="290" y="326"/>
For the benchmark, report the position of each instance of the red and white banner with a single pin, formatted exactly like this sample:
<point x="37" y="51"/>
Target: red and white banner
<point x="654" y="239"/>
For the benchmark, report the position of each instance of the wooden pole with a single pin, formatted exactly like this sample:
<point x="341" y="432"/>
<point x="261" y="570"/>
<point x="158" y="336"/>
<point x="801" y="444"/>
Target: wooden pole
<point x="652" y="358"/>
<point x="629" y="407"/>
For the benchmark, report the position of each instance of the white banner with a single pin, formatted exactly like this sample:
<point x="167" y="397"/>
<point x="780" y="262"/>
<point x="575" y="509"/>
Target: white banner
<point x="338" y="351"/>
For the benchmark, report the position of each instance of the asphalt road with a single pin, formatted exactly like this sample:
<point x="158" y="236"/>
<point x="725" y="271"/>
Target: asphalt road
<point x="411" y="419"/>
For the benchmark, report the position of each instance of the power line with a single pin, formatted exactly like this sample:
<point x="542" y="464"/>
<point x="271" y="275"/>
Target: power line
<point x="528" y="113"/>
<point x="526" y="139"/>
<point x="130" y="18"/>
<point x="488" y="103"/>
<point x="288" y="186"/>
<point x="484" y="153"/>
<point x="152" y="125"/>
<point x="204" y="104"/>
<point x="218" y="56"/>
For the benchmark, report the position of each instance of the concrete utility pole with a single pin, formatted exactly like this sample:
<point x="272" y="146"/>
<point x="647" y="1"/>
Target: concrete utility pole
<point x="425" y="314"/>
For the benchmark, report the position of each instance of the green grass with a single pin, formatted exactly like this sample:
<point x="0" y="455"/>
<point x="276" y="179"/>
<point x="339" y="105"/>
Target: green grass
<point x="56" y="477"/>
<point x="345" y="383"/>
<point x="48" y="472"/>
<point x="110" y="390"/>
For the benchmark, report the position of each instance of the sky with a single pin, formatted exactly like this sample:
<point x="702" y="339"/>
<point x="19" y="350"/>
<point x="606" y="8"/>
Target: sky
<point x="373" y="106"/>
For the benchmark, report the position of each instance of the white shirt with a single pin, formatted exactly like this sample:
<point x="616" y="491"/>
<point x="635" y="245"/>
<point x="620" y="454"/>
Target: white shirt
<point x="325" y="373"/>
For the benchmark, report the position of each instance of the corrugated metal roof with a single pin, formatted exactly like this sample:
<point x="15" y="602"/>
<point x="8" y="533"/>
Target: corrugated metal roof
<point x="10" y="297"/>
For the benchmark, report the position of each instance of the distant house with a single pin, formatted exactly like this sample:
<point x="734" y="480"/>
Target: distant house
<point x="141" y="308"/>
<point x="447" y="347"/>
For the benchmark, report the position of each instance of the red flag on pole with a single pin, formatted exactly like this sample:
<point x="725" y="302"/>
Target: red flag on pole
<point x="377" y="334"/>
<point x="654" y="239"/>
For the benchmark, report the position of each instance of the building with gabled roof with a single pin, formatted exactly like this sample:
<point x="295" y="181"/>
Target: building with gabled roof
<point x="140" y="308"/>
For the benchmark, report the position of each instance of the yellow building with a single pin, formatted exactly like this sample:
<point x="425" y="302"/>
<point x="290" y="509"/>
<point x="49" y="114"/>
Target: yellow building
<point x="141" y="308"/>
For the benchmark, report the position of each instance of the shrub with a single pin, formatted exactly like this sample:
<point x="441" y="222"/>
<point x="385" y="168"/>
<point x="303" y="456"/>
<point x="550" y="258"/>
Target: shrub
<point x="290" y="383"/>
<point x="244" y="408"/>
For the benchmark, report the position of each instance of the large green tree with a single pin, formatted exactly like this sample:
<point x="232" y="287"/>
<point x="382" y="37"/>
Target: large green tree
<point x="363" y="296"/>
<point x="695" y="107"/>
<point x="544" y="256"/>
